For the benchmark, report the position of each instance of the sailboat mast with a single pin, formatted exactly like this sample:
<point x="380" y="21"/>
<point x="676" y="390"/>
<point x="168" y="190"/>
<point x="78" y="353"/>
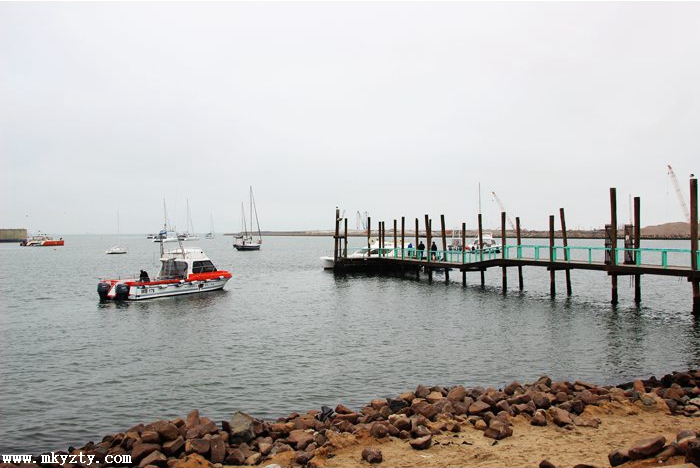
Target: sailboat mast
<point x="251" y="210"/>
<point x="245" y="228"/>
<point x="257" y="223"/>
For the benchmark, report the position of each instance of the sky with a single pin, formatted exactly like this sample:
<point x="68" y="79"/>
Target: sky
<point x="394" y="108"/>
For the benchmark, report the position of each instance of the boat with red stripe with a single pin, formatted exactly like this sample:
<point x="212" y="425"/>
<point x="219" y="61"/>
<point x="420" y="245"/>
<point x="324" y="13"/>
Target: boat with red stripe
<point x="182" y="271"/>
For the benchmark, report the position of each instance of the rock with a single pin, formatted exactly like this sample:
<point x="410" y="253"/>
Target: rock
<point x="265" y="448"/>
<point x="539" y="419"/>
<point x="378" y="430"/>
<point x="372" y="455"/>
<point x="638" y="386"/>
<point x="397" y="404"/>
<point x="421" y="443"/>
<point x="618" y="457"/>
<point x="150" y="437"/>
<point x="351" y="417"/>
<point x="683" y="438"/>
<point x="540" y="400"/>
<point x="434" y="397"/>
<point x="302" y="458"/>
<point x="422" y="391"/>
<point x="692" y="453"/>
<point x="254" y="459"/>
<point x="192" y="461"/>
<point x="671" y="450"/>
<point x="587" y="422"/>
<point x="234" y="457"/>
<point x="420" y="431"/>
<point x="457" y="393"/>
<point x="498" y="429"/>
<point x="217" y="449"/>
<point x="560" y="416"/>
<point x="512" y="387"/>
<point x="401" y="422"/>
<point x="168" y="431"/>
<point x="241" y="426"/>
<point x="647" y="448"/>
<point x="424" y="408"/>
<point x="140" y="450"/>
<point x="200" y="446"/>
<point x="174" y="447"/>
<point x="342" y="409"/>
<point x="299" y="439"/>
<point x="154" y="458"/>
<point x="547" y="464"/>
<point x="192" y="419"/>
<point x="480" y="425"/>
<point x="479" y="407"/>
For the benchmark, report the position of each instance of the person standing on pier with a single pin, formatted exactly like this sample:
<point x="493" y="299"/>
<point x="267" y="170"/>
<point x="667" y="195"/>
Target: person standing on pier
<point x="421" y="248"/>
<point x="410" y="249"/>
<point x="433" y="251"/>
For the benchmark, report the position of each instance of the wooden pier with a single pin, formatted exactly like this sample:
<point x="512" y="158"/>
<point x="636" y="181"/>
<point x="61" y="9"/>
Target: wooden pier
<point x="630" y="259"/>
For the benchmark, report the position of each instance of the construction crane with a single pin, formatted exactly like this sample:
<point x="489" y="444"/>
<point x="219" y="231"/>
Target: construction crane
<point x="679" y="193"/>
<point x="361" y="221"/>
<point x="503" y="208"/>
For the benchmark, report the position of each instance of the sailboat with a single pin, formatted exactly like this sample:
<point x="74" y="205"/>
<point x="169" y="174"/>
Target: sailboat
<point x="166" y="234"/>
<point x="189" y="234"/>
<point x="245" y="241"/>
<point x="210" y="234"/>
<point x="117" y="249"/>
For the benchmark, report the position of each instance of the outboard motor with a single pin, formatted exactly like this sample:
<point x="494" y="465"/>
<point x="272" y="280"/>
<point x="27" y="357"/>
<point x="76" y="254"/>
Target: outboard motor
<point x="103" y="289"/>
<point x="122" y="292"/>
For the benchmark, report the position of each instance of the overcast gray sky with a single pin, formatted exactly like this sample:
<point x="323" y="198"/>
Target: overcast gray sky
<point x="392" y="108"/>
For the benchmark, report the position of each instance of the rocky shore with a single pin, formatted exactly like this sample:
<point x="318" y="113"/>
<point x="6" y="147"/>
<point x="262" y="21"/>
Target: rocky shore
<point x="654" y="422"/>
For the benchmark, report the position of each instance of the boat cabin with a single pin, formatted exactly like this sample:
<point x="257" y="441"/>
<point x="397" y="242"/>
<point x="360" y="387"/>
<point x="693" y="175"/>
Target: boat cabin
<point x="176" y="265"/>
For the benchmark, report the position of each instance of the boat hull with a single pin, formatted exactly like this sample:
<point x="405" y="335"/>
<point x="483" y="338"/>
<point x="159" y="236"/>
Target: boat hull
<point x="327" y="263"/>
<point x="246" y="247"/>
<point x="138" y="291"/>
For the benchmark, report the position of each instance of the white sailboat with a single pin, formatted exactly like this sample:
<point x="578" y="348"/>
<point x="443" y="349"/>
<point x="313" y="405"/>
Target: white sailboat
<point x="116" y="249"/>
<point x="166" y="234"/>
<point x="245" y="240"/>
<point x="189" y="234"/>
<point x="210" y="234"/>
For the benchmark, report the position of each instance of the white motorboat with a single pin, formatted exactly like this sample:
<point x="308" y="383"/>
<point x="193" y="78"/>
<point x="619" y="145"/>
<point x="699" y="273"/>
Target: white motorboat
<point x="490" y="244"/>
<point x="365" y="252"/>
<point x="183" y="271"/>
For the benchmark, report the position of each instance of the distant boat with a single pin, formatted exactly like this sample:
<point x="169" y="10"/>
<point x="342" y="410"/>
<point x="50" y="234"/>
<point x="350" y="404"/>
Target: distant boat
<point x="42" y="240"/>
<point x="189" y="234"/>
<point x="210" y="234"/>
<point x="117" y="249"/>
<point x="166" y="234"/>
<point x="245" y="241"/>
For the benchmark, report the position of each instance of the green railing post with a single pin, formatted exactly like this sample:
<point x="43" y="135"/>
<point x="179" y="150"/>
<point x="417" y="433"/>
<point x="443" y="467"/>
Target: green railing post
<point x="664" y="258"/>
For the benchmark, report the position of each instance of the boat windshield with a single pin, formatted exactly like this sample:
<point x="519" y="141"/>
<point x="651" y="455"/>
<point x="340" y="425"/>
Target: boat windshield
<point x="204" y="266"/>
<point x="173" y="269"/>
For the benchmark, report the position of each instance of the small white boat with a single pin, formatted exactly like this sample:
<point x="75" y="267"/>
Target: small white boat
<point x="210" y="234"/>
<point x="115" y="250"/>
<point x="183" y="271"/>
<point x="364" y="252"/>
<point x="490" y="244"/>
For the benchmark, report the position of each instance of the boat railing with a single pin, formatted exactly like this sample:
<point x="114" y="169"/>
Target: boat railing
<point x="655" y="257"/>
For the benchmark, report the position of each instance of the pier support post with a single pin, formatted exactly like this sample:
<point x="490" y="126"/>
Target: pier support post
<point x="429" y="237"/>
<point x="637" y="244"/>
<point x="613" y="251"/>
<point x="503" y="252"/>
<point x="520" y="268"/>
<point x="345" y="249"/>
<point x="694" y="243"/>
<point x="395" y="240"/>
<point x="336" y="235"/>
<point x="369" y="230"/>
<point x="415" y="247"/>
<point x="552" y="284"/>
<point x="464" y="250"/>
<point x="481" y="251"/>
<point x="444" y="247"/>
<point x="403" y="236"/>
<point x="566" y="251"/>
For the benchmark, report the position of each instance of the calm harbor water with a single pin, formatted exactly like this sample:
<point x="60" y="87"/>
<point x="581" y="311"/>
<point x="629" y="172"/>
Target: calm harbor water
<point x="286" y="336"/>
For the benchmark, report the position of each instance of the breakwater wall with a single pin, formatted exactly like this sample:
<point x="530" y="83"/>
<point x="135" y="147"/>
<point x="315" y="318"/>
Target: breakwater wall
<point x="13" y="235"/>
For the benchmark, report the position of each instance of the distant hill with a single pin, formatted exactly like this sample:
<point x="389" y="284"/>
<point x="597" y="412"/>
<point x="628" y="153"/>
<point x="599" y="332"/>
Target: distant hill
<point x="667" y="230"/>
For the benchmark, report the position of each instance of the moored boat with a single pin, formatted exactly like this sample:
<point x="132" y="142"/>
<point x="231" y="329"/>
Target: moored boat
<point x="183" y="271"/>
<point x="42" y="240"/>
<point x="244" y="241"/>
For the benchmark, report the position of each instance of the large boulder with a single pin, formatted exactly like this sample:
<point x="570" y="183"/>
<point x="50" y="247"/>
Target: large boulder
<point x="241" y="427"/>
<point x="421" y="443"/>
<point x="372" y="455"/>
<point x="647" y="448"/>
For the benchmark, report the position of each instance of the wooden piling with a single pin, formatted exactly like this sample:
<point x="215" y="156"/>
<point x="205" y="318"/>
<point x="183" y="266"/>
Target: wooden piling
<point x="552" y="284"/>
<point x="415" y="248"/>
<point x="429" y="236"/>
<point x="520" y="268"/>
<point x="481" y="250"/>
<point x="694" y="243"/>
<point x="403" y="236"/>
<point x="566" y="251"/>
<point x="395" y="239"/>
<point x="444" y="246"/>
<point x="613" y="240"/>
<point x="335" y="236"/>
<point x="637" y="245"/>
<point x="503" y="252"/>
<point x="369" y="230"/>
<point x="381" y="238"/>
<point x="345" y="249"/>
<point x="464" y="249"/>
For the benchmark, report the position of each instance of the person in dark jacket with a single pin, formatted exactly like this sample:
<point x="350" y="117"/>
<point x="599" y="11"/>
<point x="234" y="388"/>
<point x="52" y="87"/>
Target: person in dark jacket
<point x="433" y="251"/>
<point x="421" y="248"/>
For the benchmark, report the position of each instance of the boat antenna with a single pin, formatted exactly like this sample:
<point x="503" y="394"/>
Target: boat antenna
<point x="255" y="208"/>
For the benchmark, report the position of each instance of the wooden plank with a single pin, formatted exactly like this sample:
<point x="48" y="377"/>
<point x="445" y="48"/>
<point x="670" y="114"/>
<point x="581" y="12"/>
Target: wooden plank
<point x="566" y="252"/>
<point x="395" y="239"/>
<point x="337" y="228"/>
<point x="444" y="245"/>
<point x="504" y="274"/>
<point x="369" y="229"/>
<point x="481" y="250"/>
<point x="403" y="236"/>
<point x="694" y="242"/>
<point x="464" y="246"/>
<point x="345" y="249"/>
